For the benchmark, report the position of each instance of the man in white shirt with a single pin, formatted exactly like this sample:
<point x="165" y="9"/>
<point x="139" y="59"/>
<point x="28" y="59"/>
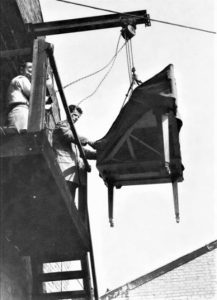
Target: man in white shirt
<point x="18" y="98"/>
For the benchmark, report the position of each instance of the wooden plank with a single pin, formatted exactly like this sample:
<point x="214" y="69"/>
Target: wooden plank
<point x="75" y="256"/>
<point x="63" y="295"/>
<point x="15" y="52"/>
<point x="57" y="276"/>
<point x="30" y="10"/>
<point x="36" y="119"/>
<point x="136" y="166"/>
<point x="126" y="182"/>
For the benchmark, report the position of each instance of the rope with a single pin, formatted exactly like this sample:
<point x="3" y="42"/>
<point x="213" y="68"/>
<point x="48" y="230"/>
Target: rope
<point x="94" y="73"/>
<point x="128" y="62"/>
<point x="98" y="71"/>
<point x="106" y="74"/>
<point x="131" y="53"/>
<point x="131" y="70"/>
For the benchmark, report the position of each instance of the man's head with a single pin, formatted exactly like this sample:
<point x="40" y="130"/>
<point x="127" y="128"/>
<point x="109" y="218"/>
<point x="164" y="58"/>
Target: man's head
<point x="75" y="112"/>
<point x="26" y="69"/>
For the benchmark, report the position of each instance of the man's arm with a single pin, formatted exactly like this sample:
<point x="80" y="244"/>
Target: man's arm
<point x="25" y="86"/>
<point x="90" y="154"/>
<point x="65" y="131"/>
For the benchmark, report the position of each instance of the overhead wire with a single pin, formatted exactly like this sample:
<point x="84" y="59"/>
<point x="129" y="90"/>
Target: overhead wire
<point x="129" y="54"/>
<point x="135" y="16"/>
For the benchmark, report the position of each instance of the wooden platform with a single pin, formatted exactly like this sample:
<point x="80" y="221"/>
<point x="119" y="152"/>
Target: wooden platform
<point x="36" y="206"/>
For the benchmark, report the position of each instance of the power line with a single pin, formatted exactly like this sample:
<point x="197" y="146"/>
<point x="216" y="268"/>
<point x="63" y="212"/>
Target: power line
<point x="184" y="26"/>
<point x="131" y="15"/>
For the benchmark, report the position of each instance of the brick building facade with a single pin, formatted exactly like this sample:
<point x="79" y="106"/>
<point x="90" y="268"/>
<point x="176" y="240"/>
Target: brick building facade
<point x="191" y="277"/>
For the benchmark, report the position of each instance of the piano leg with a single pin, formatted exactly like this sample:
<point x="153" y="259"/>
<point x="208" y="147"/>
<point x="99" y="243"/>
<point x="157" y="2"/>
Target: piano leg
<point x="110" y="203"/>
<point x="176" y="200"/>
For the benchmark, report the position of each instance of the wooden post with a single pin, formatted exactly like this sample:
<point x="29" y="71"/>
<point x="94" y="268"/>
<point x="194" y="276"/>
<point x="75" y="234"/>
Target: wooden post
<point x="82" y="199"/>
<point x="37" y="269"/>
<point x="83" y="210"/>
<point x="87" y="279"/>
<point x="36" y="119"/>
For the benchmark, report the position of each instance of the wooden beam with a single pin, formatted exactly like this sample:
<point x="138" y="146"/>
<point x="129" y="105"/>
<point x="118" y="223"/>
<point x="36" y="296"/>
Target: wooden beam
<point x="15" y="52"/>
<point x="87" y="278"/>
<point x="36" y="120"/>
<point x="89" y="23"/>
<point x="65" y="105"/>
<point x="75" y="256"/>
<point x="57" y="276"/>
<point x="30" y="10"/>
<point x="63" y="295"/>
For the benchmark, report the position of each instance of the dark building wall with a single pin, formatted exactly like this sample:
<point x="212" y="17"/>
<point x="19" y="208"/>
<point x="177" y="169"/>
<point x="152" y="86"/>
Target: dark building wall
<point x="15" y="274"/>
<point x="14" y="14"/>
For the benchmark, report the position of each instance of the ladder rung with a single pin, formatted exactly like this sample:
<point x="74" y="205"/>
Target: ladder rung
<point x="61" y="276"/>
<point x="61" y="258"/>
<point x="64" y="295"/>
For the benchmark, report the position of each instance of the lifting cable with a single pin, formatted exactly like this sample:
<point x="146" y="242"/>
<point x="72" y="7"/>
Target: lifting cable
<point x="107" y="73"/>
<point x="110" y="63"/>
<point x="130" y="62"/>
<point x="98" y="71"/>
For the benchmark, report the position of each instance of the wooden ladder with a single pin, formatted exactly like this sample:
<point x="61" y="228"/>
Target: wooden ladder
<point x="82" y="274"/>
<point x="86" y="273"/>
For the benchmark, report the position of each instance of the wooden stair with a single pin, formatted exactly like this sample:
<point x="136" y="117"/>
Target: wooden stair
<point x="83" y="275"/>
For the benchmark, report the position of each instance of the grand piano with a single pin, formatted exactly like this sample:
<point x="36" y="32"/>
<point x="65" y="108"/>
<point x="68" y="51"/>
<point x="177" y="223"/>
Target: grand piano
<point x="142" y="146"/>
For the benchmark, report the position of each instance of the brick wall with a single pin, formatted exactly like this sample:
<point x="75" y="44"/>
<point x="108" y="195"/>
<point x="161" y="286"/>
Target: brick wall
<point x="195" y="280"/>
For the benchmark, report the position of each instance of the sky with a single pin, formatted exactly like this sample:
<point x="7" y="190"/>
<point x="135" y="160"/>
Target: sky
<point x="145" y="235"/>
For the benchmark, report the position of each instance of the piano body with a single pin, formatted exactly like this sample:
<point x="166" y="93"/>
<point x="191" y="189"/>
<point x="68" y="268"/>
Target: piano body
<point x="142" y="146"/>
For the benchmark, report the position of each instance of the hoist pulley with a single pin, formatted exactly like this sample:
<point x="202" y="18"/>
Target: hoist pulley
<point x="128" y="31"/>
<point x="129" y="26"/>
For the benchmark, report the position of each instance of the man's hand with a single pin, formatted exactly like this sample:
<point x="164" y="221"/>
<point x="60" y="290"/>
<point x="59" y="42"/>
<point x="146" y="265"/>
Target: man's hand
<point x="83" y="140"/>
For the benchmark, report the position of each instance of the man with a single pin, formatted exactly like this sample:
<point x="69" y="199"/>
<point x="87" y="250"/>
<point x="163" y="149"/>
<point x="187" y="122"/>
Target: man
<point x="18" y="98"/>
<point x="67" y="153"/>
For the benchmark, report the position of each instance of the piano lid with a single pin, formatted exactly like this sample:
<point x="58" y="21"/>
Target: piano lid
<point x="142" y="145"/>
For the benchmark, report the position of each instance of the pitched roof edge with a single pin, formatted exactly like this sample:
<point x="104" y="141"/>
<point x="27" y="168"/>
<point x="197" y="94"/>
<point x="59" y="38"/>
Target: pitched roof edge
<point x="162" y="270"/>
